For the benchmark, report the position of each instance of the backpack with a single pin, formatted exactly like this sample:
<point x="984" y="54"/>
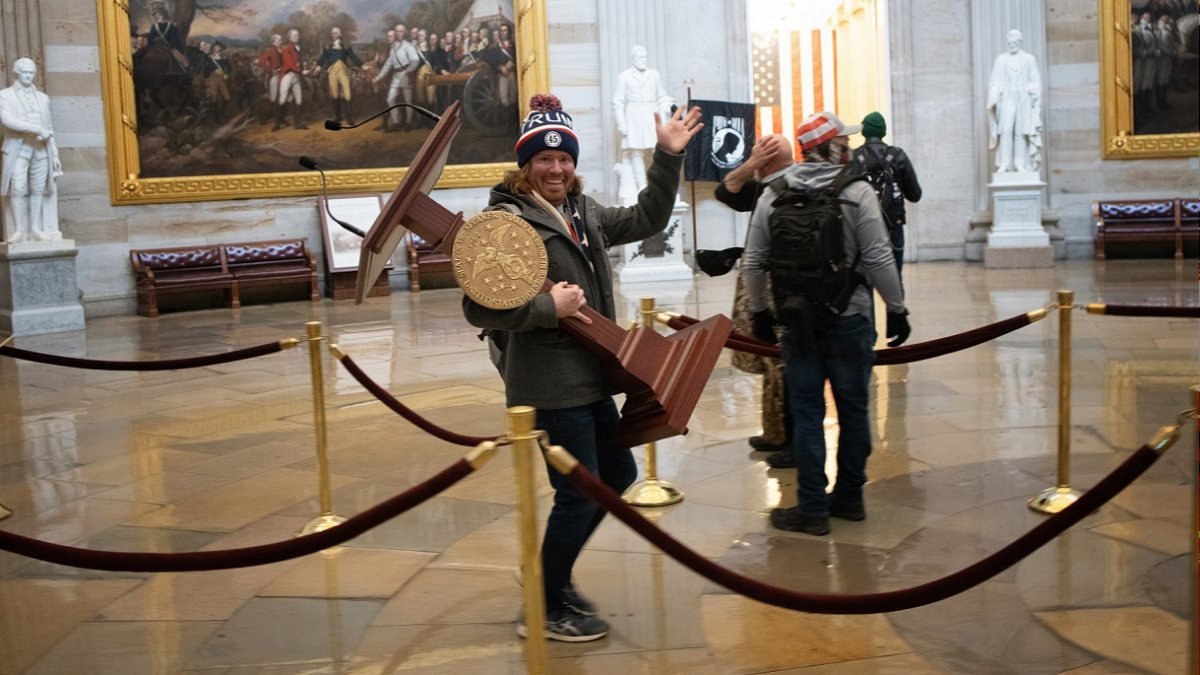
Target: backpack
<point x="811" y="283"/>
<point x="882" y="178"/>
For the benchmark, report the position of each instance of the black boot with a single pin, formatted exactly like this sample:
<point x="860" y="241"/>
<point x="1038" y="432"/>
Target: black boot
<point x="279" y="117"/>
<point x="348" y="109"/>
<point x="1162" y="96"/>
<point x="296" y="123"/>
<point x="337" y="110"/>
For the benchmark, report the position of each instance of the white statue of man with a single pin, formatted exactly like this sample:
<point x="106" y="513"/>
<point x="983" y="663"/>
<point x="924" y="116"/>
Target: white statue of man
<point x="639" y="95"/>
<point x="1014" y="106"/>
<point x="31" y="162"/>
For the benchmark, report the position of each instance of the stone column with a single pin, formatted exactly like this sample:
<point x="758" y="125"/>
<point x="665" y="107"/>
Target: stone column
<point x="20" y="35"/>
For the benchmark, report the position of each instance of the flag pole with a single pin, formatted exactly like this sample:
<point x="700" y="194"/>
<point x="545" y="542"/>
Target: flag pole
<point x="695" y="242"/>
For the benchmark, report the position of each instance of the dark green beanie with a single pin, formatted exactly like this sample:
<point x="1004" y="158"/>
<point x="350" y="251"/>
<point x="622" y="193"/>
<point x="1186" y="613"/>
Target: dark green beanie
<point x="874" y="126"/>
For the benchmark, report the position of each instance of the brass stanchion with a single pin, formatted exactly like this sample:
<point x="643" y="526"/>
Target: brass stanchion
<point x="326" y="520"/>
<point x="525" y="447"/>
<point x="1055" y="499"/>
<point x="652" y="491"/>
<point x="1194" y="647"/>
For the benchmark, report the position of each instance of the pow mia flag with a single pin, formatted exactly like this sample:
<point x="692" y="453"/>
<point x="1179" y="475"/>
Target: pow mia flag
<point x="723" y="144"/>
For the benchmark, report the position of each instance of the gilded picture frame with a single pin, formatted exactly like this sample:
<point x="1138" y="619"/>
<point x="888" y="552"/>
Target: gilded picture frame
<point x="131" y="183"/>
<point x="1122" y="98"/>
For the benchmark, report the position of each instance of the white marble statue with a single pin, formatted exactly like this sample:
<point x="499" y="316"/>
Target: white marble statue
<point x="1014" y="107"/>
<point x="31" y="165"/>
<point x="639" y="95"/>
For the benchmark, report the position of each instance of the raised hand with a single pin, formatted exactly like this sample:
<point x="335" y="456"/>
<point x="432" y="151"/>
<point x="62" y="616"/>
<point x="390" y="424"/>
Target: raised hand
<point x="673" y="136"/>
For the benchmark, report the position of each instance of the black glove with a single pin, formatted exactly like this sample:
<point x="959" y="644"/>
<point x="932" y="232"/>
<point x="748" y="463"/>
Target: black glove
<point x="897" y="328"/>
<point x="764" y="327"/>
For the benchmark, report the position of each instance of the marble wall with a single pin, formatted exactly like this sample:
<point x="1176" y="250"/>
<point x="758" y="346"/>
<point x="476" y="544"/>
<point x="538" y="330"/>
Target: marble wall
<point x="933" y="111"/>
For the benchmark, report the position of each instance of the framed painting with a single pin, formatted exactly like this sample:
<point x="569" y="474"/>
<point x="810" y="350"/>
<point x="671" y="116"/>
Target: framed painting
<point x="218" y="99"/>
<point x="342" y="247"/>
<point x="1149" y="78"/>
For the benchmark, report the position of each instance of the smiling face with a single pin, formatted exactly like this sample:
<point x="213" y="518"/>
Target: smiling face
<point x="551" y="173"/>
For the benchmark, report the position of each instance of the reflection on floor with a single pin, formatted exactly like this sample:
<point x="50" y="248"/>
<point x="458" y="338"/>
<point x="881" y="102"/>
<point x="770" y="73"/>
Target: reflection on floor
<point x="224" y="457"/>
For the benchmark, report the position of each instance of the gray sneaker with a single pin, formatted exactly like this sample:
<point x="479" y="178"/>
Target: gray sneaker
<point x="576" y="601"/>
<point x="566" y="624"/>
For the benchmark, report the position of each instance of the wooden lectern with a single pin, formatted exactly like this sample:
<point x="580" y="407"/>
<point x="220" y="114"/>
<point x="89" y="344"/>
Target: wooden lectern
<point x="661" y="376"/>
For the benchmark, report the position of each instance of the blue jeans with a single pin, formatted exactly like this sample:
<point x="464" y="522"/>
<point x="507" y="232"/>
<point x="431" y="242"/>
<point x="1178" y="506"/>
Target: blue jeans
<point x="588" y="432"/>
<point x="844" y="356"/>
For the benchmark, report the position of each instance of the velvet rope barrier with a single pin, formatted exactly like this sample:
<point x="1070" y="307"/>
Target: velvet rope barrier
<point x="893" y="355"/>
<point x="167" y="364"/>
<point x="1144" y="310"/>
<point x="870" y="603"/>
<point x="119" y="561"/>
<point x="399" y="408"/>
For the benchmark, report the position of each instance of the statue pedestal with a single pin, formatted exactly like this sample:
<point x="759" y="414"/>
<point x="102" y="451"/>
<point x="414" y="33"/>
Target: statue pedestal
<point x="659" y="258"/>
<point x="1017" y="238"/>
<point x="38" y="291"/>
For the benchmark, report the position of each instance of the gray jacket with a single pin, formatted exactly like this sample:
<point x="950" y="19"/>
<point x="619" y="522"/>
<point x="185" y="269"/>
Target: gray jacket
<point x="542" y="366"/>
<point x="865" y="235"/>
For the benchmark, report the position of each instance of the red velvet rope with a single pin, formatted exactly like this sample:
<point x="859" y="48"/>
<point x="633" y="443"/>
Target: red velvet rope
<point x="869" y="603"/>
<point x="885" y="357"/>
<point x="1148" y="310"/>
<point x="119" y="561"/>
<point x="168" y="364"/>
<point x="407" y="413"/>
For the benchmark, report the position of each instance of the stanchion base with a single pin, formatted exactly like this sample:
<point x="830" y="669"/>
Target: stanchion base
<point x="1053" y="500"/>
<point x="652" y="492"/>
<point x="321" y="523"/>
<point x="4" y="512"/>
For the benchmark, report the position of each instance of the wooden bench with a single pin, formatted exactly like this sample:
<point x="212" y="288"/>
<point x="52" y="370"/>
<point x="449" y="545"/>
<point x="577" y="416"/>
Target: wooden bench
<point x="426" y="267"/>
<point x="1146" y="226"/>
<point x="224" y="267"/>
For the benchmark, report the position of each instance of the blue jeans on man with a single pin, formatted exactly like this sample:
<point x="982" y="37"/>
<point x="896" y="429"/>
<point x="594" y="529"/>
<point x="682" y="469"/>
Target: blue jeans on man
<point x="844" y="356"/>
<point x="589" y="433"/>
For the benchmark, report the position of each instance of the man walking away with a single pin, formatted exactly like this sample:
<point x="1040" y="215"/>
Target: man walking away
<point x="888" y="170"/>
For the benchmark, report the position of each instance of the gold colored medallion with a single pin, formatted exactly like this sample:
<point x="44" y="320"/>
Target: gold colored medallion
<point x="499" y="260"/>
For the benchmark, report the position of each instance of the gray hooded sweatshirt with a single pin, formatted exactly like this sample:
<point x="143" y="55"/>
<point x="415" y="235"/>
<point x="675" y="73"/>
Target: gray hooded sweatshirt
<point x="864" y="231"/>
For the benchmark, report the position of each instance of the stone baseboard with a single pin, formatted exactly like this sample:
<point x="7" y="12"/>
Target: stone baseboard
<point x="1018" y="257"/>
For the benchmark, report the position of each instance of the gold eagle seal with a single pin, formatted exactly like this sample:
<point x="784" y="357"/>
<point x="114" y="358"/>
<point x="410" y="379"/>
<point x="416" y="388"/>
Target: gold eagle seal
<point x="499" y="260"/>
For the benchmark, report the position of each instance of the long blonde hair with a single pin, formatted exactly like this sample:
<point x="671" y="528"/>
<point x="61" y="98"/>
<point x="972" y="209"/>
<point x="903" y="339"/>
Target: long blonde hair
<point x="517" y="181"/>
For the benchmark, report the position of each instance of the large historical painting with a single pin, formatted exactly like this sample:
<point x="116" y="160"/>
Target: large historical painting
<point x="1150" y="78"/>
<point x="217" y="99"/>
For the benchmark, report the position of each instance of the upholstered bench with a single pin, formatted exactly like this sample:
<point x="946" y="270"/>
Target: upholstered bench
<point x="225" y="267"/>
<point x="177" y="270"/>
<point x="273" y="263"/>
<point x="426" y="267"/>
<point x="1134" y="226"/>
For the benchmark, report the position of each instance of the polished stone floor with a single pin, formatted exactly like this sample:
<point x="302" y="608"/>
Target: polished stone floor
<point x="224" y="457"/>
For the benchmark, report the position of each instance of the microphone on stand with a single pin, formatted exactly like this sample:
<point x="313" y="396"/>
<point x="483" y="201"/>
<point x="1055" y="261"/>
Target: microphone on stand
<point x="334" y="125"/>
<point x="309" y="164"/>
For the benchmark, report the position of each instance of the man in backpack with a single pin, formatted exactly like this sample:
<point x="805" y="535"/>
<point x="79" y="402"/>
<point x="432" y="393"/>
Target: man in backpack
<point x="891" y="174"/>
<point x="818" y="345"/>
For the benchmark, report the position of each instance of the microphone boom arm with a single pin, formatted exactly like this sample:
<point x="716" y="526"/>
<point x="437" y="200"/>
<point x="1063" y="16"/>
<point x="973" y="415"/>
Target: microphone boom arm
<point x="334" y="125"/>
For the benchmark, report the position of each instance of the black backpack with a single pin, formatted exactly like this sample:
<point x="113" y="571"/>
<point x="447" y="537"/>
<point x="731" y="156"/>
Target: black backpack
<point x="811" y="283"/>
<point x="882" y="178"/>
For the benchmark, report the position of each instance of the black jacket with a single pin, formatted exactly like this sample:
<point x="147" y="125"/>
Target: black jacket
<point x="871" y="155"/>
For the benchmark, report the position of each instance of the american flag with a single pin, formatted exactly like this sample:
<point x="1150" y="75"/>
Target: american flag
<point x="793" y="77"/>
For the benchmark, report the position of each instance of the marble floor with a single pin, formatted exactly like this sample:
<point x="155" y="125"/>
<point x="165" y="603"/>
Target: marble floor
<point x="224" y="457"/>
